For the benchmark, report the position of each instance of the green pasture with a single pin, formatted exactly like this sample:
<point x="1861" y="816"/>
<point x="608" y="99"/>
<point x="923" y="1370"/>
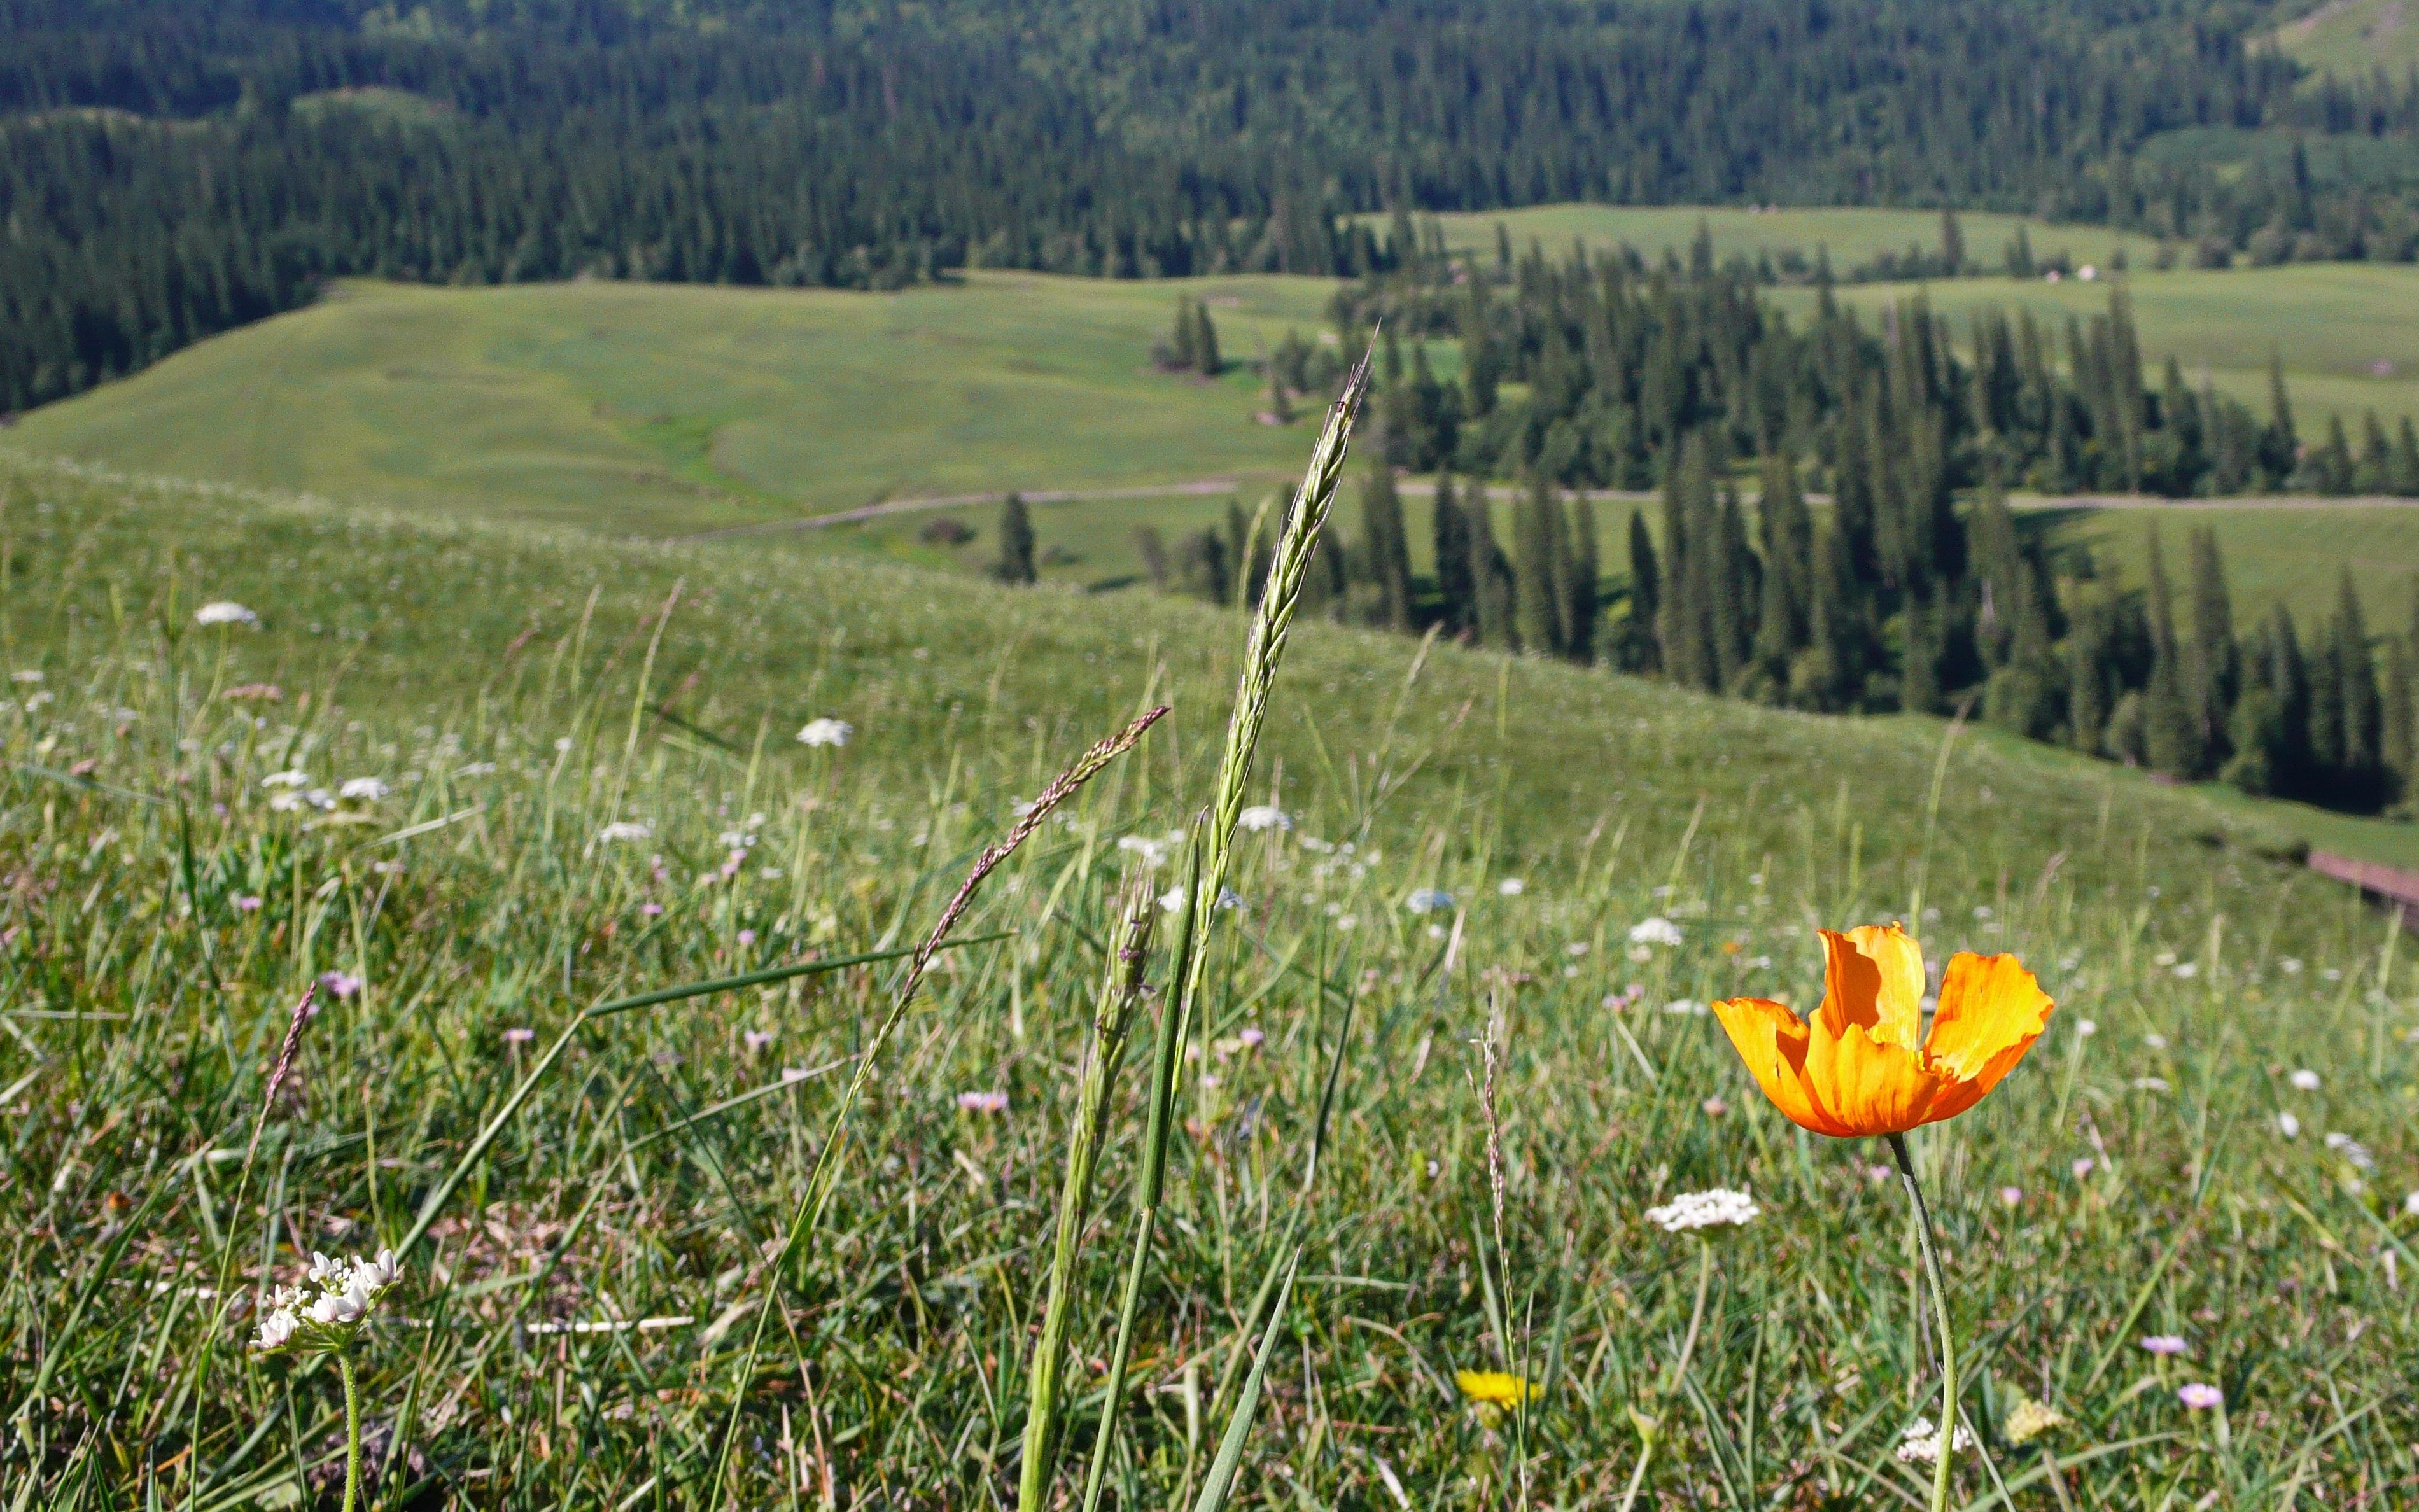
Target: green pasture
<point x="660" y="410"/>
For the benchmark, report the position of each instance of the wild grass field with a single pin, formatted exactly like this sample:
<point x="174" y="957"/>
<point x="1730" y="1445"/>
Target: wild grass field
<point x="572" y="778"/>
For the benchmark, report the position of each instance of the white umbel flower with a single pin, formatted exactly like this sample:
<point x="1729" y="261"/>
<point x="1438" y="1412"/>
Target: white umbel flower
<point x="1655" y="932"/>
<point x="362" y="789"/>
<point x="1709" y="1209"/>
<point x="826" y="731"/>
<point x="224" y="611"/>
<point x="293" y="776"/>
<point x="348" y="1292"/>
<point x="1921" y="1442"/>
<point x="622" y="829"/>
<point x="1264" y="816"/>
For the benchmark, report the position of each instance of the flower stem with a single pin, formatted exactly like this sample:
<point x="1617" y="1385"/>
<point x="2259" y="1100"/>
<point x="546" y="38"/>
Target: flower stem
<point x="352" y="1432"/>
<point x="1940" y="1315"/>
<point x="1679" y="1372"/>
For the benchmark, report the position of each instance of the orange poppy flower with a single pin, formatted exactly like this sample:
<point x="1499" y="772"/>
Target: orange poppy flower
<point x="1856" y="1069"/>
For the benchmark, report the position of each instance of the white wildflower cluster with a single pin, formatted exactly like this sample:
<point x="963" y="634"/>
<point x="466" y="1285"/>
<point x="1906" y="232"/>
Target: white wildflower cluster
<point x="347" y="1291"/>
<point x="2352" y="1150"/>
<point x="1704" y="1209"/>
<point x="224" y="611"/>
<point x="1921" y="1442"/>
<point x="624" y="829"/>
<point x="1261" y="816"/>
<point x="1655" y="931"/>
<point x="826" y="731"/>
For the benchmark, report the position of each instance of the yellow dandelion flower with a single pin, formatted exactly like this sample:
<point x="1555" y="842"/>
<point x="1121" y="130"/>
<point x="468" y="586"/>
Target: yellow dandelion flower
<point x="2029" y="1420"/>
<point x="1495" y="1388"/>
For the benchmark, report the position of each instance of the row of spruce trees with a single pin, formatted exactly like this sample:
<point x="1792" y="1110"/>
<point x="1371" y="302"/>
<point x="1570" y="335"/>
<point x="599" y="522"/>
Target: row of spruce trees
<point x="1617" y="361"/>
<point x="1767" y="597"/>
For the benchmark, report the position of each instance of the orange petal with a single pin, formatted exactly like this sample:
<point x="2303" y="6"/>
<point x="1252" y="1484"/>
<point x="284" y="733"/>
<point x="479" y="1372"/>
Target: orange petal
<point x="1990" y="1011"/>
<point x="1772" y="1040"/>
<point x="1873" y="976"/>
<point x="1867" y="1085"/>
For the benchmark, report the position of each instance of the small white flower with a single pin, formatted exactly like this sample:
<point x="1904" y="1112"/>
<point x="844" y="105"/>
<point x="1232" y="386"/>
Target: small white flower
<point x="2156" y="1041"/>
<point x="2086" y="1028"/>
<point x="826" y="731"/>
<point x="293" y="776"/>
<point x="1429" y="901"/>
<point x="621" y="829"/>
<point x="363" y="790"/>
<point x="1919" y="1443"/>
<point x="327" y="1271"/>
<point x="1511" y="887"/>
<point x="2410" y="1204"/>
<point x="2150" y="1083"/>
<point x="2290" y="966"/>
<point x="1261" y="816"/>
<point x="1704" y="1209"/>
<point x="379" y="1272"/>
<point x="276" y="1330"/>
<point x="2187" y="969"/>
<point x="1656" y="930"/>
<point x="284" y="802"/>
<point x="224" y="611"/>
<point x="2304" y="1080"/>
<point x="735" y="840"/>
<point x="2352" y="1149"/>
<point x="2288" y="1125"/>
<point x="1687" y="1007"/>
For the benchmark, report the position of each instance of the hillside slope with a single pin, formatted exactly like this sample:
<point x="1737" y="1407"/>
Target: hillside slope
<point x="567" y="775"/>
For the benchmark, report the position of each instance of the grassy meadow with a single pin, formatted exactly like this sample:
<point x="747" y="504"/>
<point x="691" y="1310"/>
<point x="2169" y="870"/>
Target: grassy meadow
<point x="660" y="410"/>
<point x="587" y="788"/>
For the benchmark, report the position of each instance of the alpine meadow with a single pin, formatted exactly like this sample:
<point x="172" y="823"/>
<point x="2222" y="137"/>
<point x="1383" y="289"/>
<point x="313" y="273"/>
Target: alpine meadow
<point x="1308" y="754"/>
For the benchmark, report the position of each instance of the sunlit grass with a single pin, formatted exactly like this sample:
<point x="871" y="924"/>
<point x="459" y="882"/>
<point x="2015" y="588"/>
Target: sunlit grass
<point x="574" y="1334"/>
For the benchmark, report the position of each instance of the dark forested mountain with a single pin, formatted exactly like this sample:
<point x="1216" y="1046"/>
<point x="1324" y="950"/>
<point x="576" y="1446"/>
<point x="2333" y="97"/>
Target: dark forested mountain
<point x="168" y="168"/>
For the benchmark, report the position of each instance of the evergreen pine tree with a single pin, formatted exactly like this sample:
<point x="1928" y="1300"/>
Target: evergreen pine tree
<point x="1015" y="564"/>
<point x="2406" y="460"/>
<point x="2280" y="446"/>
<point x="1539" y="616"/>
<point x="1386" y="549"/>
<point x="1731" y="593"/>
<point x="1451" y="528"/>
<point x="1823" y="675"/>
<point x="1205" y="360"/>
<point x="1586" y="573"/>
<point x="2363" y="709"/>
<point x="1490" y="578"/>
<point x="1643" y="640"/>
<point x="2215" y="662"/>
<point x="2090" y="674"/>
<point x="1920" y="690"/>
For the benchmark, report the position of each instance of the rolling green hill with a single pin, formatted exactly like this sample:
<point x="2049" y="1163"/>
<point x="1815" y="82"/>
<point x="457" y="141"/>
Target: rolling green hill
<point x="666" y="409"/>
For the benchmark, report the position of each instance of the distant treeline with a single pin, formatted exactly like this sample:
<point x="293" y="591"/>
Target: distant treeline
<point x="168" y="170"/>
